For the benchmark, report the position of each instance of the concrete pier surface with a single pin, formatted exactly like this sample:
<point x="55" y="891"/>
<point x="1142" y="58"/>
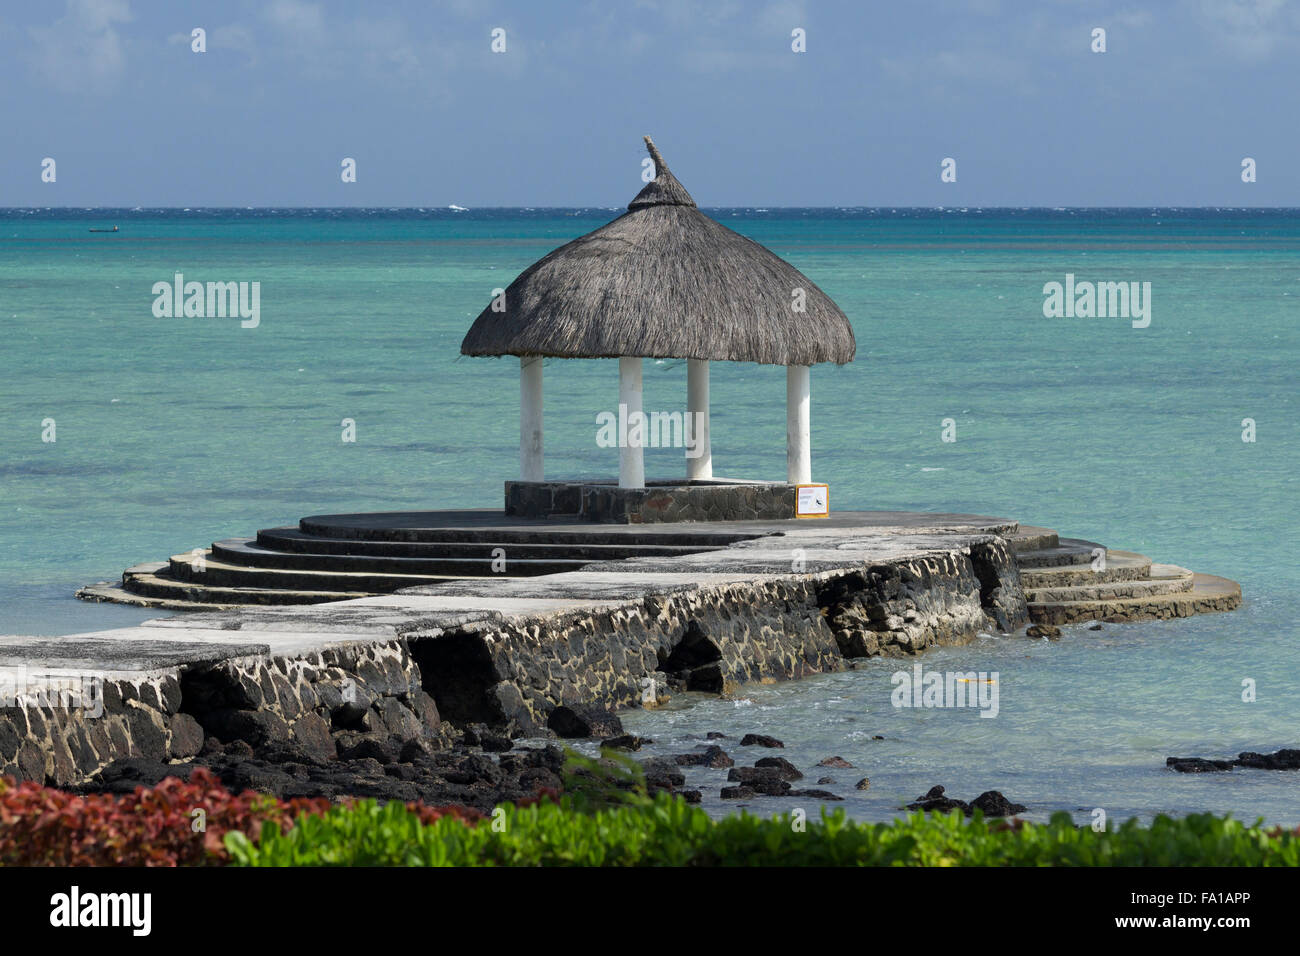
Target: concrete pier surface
<point x="777" y="600"/>
<point x="843" y="542"/>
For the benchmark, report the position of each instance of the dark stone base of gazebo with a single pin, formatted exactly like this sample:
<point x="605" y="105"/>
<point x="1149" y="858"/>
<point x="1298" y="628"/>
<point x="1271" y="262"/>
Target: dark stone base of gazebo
<point x="602" y="500"/>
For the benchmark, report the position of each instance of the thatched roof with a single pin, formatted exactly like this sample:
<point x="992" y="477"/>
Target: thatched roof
<point x="664" y="281"/>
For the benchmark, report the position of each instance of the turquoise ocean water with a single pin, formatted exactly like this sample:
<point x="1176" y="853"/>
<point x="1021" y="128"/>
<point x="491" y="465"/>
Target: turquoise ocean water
<point x="173" y="432"/>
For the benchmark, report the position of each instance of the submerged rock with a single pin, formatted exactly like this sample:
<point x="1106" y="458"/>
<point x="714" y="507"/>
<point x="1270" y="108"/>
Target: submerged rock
<point x="934" y="800"/>
<point x="1197" y="764"/>
<point x="1284" y="759"/>
<point x="1050" y="631"/>
<point x="737" y="793"/>
<point x="787" y="770"/>
<point x="760" y="740"/>
<point x="838" y="762"/>
<point x="991" y="803"/>
<point x="711" y="756"/>
<point x="662" y="773"/>
<point x="765" y="780"/>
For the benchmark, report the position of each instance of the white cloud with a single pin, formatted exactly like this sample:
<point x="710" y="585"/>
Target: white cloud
<point x="81" y="52"/>
<point x="1251" y="29"/>
<point x="303" y="21"/>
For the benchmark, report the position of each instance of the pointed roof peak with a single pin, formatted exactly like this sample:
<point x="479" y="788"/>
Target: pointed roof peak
<point x="664" y="189"/>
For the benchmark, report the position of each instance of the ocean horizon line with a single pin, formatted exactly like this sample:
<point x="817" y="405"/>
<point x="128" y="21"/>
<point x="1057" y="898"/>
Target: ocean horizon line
<point x="749" y="207"/>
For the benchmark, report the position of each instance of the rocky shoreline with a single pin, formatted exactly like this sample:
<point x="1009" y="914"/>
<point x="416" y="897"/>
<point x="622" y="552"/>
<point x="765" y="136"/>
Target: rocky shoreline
<point x="514" y="675"/>
<point x="424" y="694"/>
<point x="1285" y="759"/>
<point x="483" y="770"/>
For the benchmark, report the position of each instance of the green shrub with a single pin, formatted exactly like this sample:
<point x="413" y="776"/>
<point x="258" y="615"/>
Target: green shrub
<point x="666" y="831"/>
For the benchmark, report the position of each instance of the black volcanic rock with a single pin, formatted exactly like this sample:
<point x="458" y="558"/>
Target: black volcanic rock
<point x="711" y="756"/>
<point x="815" y="794"/>
<point x="662" y="773"/>
<point x="1285" y="759"/>
<point x="1197" y="764"/>
<point x="766" y="780"/>
<point x="438" y="778"/>
<point x="785" y="768"/>
<point x="582" y="720"/>
<point x="993" y="804"/>
<point x="934" y="800"/>
<point x="838" y="762"/>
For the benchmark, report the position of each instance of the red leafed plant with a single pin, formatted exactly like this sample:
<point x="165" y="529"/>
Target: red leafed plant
<point x="176" y="823"/>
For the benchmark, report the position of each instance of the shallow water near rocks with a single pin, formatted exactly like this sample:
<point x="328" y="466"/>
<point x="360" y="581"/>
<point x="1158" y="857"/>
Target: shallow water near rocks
<point x="1063" y="738"/>
<point x="176" y="432"/>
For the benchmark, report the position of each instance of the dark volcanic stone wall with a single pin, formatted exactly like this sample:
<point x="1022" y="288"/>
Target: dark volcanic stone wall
<point x="733" y="634"/>
<point x="319" y="706"/>
<point x="510" y="673"/>
<point x="44" y="739"/>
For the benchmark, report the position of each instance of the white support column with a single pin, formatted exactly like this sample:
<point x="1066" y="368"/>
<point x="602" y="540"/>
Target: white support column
<point x="530" y="418"/>
<point x="631" y="458"/>
<point x="798" y="424"/>
<point x="697" y="411"/>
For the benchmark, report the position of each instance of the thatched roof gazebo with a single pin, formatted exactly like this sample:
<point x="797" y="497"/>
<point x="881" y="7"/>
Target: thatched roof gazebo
<point x="664" y="281"/>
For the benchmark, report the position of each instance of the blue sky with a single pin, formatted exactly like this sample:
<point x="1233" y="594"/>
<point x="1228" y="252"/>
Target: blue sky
<point x="112" y="91"/>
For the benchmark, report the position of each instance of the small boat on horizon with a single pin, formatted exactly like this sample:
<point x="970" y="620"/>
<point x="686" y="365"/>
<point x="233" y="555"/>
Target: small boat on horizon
<point x="114" y="229"/>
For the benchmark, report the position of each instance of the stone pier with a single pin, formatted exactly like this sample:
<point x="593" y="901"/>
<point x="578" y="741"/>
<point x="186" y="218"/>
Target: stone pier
<point x="757" y="601"/>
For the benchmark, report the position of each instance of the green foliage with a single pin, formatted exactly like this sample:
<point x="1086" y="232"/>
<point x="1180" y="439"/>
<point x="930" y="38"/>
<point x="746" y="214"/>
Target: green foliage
<point x="596" y="784"/>
<point x="666" y="831"/>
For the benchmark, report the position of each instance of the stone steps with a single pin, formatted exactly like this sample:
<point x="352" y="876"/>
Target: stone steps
<point x="1208" y="593"/>
<point x="1069" y="580"/>
<point x="242" y="552"/>
<point x="1068" y="552"/>
<point x="337" y="557"/>
<point x="487" y="527"/>
<point x="151" y="585"/>
<point x="214" y="572"/>
<point x="1163" y="579"/>
<point x="1029" y="538"/>
<point x="1119" y="566"/>
<point x="294" y="540"/>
